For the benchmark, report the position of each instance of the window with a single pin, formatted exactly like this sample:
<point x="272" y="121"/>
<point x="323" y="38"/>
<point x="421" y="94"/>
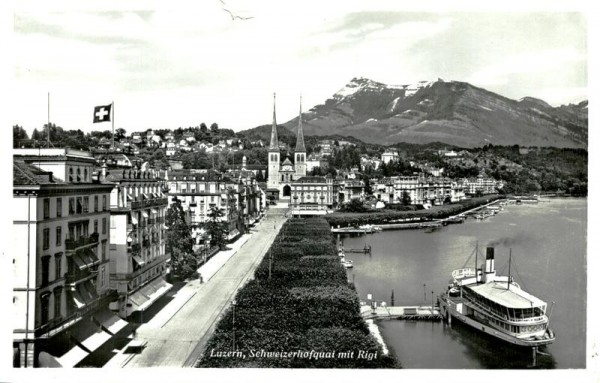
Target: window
<point x="45" y="305"/>
<point x="45" y="269"/>
<point x="79" y="205"/>
<point x="103" y="203"/>
<point x="70" y="174"/>
<point x="95" y="203"/>
<point x="71" y="206"/>
<point x="103" y="225"/>
<point x="59" y="207"/>
<point x="86" y="204"/>
<point x="104" y="250"/>
<point x="78" y="175"/>
<point x="58" y="235"/>
<point x="58" y="265"/>
<point x="102" y="275"/>
<point x="46" y="239"/>
<point x="57" y="302"/>
<point x="46" y="208"/>
<point x="85" y="174"/>
<point x="95" y="226"/>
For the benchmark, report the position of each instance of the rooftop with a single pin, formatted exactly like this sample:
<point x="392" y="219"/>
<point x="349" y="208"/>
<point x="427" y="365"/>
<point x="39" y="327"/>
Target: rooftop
<point x="311" y="180"/>
<point x="27" y="174"/>
<point x="513" y="297"/>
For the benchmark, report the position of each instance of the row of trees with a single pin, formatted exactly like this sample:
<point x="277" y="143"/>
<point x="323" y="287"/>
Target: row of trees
<point x="179" y="241"/>
<point x="299" y="302"/>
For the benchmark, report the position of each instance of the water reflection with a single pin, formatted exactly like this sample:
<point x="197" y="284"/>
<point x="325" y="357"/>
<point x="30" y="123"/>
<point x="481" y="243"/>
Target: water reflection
<point x="548" y="243"/>
<point x="495" y="354"/>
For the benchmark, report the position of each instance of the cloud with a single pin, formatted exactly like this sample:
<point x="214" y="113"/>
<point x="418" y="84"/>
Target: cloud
<point x="545" y="62"/>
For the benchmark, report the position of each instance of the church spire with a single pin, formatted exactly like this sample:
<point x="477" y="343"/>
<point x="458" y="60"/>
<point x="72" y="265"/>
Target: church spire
<point x="274" y="146"/>
<point x="300" y="139"/>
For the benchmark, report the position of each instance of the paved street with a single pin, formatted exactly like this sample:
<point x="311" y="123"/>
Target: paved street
<point x="177" y="340"/>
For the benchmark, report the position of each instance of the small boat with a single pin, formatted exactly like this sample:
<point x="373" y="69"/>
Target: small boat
<point x="347" y="263"/>
<point x="496" y="305"/>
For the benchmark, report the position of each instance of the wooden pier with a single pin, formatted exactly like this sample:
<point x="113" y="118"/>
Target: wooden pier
<point x="401" y="312"/>
<point x="365" y="250"/>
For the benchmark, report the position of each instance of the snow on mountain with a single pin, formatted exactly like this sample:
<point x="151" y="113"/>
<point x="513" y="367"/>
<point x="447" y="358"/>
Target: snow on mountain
<point x="453" y="112"/>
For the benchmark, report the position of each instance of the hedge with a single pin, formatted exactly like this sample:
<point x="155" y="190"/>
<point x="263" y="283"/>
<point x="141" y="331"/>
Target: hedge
<point x="305" y="304"/>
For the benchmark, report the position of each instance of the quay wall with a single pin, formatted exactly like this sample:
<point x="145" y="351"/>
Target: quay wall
<point x="388" y="216"/>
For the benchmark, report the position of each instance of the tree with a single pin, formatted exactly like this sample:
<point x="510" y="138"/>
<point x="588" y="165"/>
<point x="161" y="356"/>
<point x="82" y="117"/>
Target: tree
<point x="260" y="177"/>
<point x="120" y="134"/>
<point x="19" y="134"/>
<point x="216" y="227"/>
<point x="179" y="241"/>
<point x="405" y="198"/>
<point x="214" y="127"/>
<point x="354" y="206"/>
<point x="196" y="160"/>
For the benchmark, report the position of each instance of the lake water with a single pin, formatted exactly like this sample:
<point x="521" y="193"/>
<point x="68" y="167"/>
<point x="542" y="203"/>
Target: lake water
<point x="548" y="242"/>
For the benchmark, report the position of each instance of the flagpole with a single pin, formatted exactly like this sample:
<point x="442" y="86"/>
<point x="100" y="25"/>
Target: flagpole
<point x="113" y="125"/>
<point x="48" y="119"/>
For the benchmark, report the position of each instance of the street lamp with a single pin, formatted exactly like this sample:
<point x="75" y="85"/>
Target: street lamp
<point x="233" y="322"/>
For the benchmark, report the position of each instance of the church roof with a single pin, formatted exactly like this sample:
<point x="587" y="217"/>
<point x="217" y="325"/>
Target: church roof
<point x="274" y="145"/>
<point x="287" y="162"/>
<point x="300" y="139"/>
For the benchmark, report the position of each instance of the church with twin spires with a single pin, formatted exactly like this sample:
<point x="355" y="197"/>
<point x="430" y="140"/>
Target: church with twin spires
<point x="283" y="173"/>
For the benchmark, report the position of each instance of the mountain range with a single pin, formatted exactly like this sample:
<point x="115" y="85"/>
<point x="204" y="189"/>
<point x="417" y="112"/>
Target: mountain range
<point x="451" y="112"/>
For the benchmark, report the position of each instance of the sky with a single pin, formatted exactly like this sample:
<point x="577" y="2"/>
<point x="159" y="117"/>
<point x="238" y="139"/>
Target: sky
<point x="179" y="63"/>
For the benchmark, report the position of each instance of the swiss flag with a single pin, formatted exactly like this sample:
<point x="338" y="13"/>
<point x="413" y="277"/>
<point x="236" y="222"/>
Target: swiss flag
<point x="102" y="113"/>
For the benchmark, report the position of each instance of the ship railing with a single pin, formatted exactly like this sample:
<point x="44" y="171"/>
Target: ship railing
<point x="463" y="273"/>
<point x="504" y="316"/>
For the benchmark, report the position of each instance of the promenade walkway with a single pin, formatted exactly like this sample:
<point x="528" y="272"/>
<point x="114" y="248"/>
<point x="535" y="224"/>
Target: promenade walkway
<point x="176" y="336"/>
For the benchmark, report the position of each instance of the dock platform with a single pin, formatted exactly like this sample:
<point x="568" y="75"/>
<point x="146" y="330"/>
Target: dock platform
<point x="401" y="312"/>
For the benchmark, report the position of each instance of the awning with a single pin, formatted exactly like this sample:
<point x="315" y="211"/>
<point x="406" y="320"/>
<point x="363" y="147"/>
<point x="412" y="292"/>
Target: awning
<point x="149" y="293"/>
<point x="77" y="299"/>
<point x="85" y="337"/>
<point x="139" y="260"/>
<point x="74" y="356"/>
<point x="87" y="291"/>
<point x="109" y="321"/>
<point x="129" y="197"/>
<point x="154" y="211"/>
<point x="146" y="196"/>
<point x="85" y="258"/>
<point x="145" y="213"/>
<point x="134" y="220"/>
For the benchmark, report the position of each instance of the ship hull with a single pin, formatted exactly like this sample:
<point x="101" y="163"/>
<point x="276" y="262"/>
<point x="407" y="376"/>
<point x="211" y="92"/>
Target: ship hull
<point x="449" y="312"/>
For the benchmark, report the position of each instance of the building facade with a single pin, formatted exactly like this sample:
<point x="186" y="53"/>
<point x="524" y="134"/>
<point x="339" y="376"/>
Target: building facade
<point x="60" y="240"/>
<point x="281" y="174"/>
<point x="138" y="256"/>
<point x="199" y="191"/>
<point x="311" y="196"/>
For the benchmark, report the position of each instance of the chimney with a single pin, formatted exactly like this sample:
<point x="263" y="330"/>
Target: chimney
<point x="103" y="171"/>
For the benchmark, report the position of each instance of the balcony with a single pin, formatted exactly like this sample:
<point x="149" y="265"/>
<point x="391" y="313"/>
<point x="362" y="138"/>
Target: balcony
<point x="82" y="242"/>
<point x="74" y="277"/>
<point x="149" y="203"/>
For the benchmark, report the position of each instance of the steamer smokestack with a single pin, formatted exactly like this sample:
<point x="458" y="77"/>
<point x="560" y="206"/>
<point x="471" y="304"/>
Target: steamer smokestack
<point x="489" y="272"/>
<point x="489" y="260"/>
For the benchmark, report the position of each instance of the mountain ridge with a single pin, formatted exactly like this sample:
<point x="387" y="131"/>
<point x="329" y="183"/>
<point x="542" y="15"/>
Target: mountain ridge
<point x="453" y="112"/>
